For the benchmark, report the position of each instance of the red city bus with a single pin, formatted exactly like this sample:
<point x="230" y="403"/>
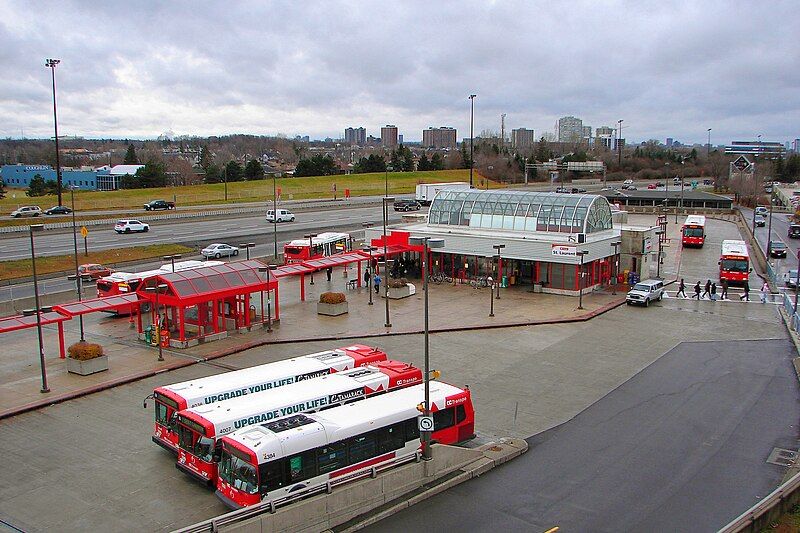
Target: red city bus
<point x="170" y="399"/>
<point x="734" y="263"/>
<point x="127" y="282"/>
<point x="200" y="427"/>
<point x="325" y="244"/>
<point x="287" y="459"/>
<point x="693" y="232"/>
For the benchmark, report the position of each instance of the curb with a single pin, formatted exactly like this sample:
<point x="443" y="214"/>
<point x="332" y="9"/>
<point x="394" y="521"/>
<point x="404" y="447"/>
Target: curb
<point x="32" y="406"/>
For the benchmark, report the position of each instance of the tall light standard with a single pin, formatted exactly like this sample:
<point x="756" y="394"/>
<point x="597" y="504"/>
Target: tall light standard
<point x="491" y="299"/>
<point x="615" y="270"/>
<point x="708" y="146"/>
<point x="310" y="237"/>
<point x="660" y="234"/>
<point x="370" y="249"/>
<point x="499" y="248"/>
<point x="427" y="244"/>
<point x="683" y="177"/>
<point x="275" y="216"/>
<point x="471" y="134"/>
<point x="386" y="170"/>
<point x="158" y="289"/>
<point x="51" y="64"/>
<point x="619" y="143"/>
<point x="31" y="229"/>
<point x="265" y="269"/>
<point x="75" y="249"/>
<point x="247" y="246"/>
<point x="225" y="179"/>
<point x="386" y="201"/>
<point x="581" y="253"/>
<point x="769" y="227"/>
<point x="171" y="259"/>
<point x="796" y="281"/>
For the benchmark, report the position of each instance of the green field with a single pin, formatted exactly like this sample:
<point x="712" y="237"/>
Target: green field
<point x="246" y="191"/>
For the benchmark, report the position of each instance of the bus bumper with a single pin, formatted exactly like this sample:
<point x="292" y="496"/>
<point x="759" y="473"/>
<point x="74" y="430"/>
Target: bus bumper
<point x="186" y="470"/>
<point x="227" y="501"/>
<point x="164" y="445"/>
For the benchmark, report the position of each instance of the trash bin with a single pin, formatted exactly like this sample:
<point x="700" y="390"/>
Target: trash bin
<point x="148" y="334"/>
<point x="504" y="282"/>
<point x="537" y="287"/>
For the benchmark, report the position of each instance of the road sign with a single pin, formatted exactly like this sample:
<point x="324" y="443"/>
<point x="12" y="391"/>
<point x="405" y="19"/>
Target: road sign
<point x="425" y="423"/>
<point x="84" y="232"/>
<point x="741" y="163"/>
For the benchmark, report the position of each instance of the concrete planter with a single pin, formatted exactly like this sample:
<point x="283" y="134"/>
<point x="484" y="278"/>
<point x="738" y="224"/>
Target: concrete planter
<point x="403" y="292"/>
<point x="331" y="309"/>
<point x="90" y="366"/>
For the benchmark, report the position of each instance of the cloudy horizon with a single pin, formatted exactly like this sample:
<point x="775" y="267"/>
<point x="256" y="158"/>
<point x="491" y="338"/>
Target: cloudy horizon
<point x="139" y="70"/>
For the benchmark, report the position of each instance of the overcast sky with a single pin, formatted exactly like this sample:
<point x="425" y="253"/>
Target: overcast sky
<point x="138" y="69"/>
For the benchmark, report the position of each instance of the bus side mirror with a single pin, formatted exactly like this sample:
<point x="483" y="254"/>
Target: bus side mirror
<point x="217" y="454"/>
<point x="751" y="269"/>
<point x="144" y="402"/>
<point x="173" y="421"/>
<point x="719" y="262"/>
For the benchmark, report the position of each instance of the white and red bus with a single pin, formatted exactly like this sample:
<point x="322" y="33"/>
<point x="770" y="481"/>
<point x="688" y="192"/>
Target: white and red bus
<point x="204" y="391"/>
<point x="200" y="427"/>
<point x="125" y="282"/>
<point x="693" y="232"/>
<point x="324" y="244"/>
<point x="290" y="458"/>
<point x="734" y="263"/>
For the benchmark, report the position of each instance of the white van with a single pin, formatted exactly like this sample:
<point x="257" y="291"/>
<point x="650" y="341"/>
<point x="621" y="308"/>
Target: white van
<point x="284" y="215"/>
<point x="646" y="291"/>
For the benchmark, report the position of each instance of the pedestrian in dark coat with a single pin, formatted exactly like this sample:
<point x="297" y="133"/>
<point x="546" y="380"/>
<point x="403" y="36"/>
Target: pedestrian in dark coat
<point x="697" y="291"/>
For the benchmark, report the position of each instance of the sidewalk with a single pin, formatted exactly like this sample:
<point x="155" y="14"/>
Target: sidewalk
<point x="450" y="308"/>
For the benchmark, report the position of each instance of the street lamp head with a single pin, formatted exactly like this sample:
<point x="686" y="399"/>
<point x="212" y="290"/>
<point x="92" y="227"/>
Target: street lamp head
<point x="367" y="224"/>
<point x="36" y="227"/>
<point x="472" y="96"/>
<point x="51" y="63"/>
<point x="388" y="199"/>
<point x="498" y="247"/>
<point x="490" y="280"/>
<point x="310" y="235"/>
<point x="250" y="244"/>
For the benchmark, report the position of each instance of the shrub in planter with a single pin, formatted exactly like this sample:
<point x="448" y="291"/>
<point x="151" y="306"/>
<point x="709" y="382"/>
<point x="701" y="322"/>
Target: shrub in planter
<point x="83" y="351"/>
<point x="332" y="298"/>
<point x="397" y="283"/>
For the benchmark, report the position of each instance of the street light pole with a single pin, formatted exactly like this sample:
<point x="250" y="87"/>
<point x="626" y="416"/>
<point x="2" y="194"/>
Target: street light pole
<point x="51" y="64"/>
<point x="275" y="216"/>
<point x="247" y="246"/>
<point x="796" y="281"/>
<point x="769" y="227"/>
<point x="75" y="248"/>
<point x="582" y="253"/>
<point x="615" y="269"/>
<point x="658" y="260"/>
<point x="619" y="143"/>
<point x="471" y="134"/>
<point x="310" y="238"/>
<point x="386" y="171"/>
<point x="371" y="273"/>
<point x="386" y="201"/>
<point x="31" y="229"/>
<point x="225" y="179"/>
<point x="708" y="146"/>
<point x="171" y="259"/>
<point x="491" y="299"/>
<point x="499" y="248"/>
<point x="158" y="289"/>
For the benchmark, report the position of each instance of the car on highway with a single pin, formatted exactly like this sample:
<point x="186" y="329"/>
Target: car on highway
<point x="284" y="215"/>
<point x="627" y="182"/>
<point x="659" y="184"/>
<point x="131" y="226"/>
<point x="632" y="188"/>
<point x="578" y="190"/>
<point x="27" y="211"/>
<point x="94" y="270"/>
<point x="562" y="189"/>
<point x="644" y="292"/>
<point x="762" y="210"/>
<point x="790" y="278"/>
<point x="158" y="204"/>
<point x="760" y="221"/>
<point x="407" y="205"/>
<point x="777" y="249"/>
<point x="794" y="231"/>
<point x="652" y="186"/>
<point x="58" y="210"/>
<point x="219" y="249"/>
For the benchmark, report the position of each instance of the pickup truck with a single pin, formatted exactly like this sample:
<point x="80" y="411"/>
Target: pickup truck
<point x="159" y="204"/>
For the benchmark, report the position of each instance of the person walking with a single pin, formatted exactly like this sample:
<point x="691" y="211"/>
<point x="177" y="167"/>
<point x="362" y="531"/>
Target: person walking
<point x="377" y="282"/>
<point x="713" y="292"/>
<point x="697" y="291"/>
<point x="764" y="292"/>
<point x="367" y="277"/>
<point x="724" y="294"/>
<point x="707" y="291"/>
<point x="681" y="290"/>
<point x="329" y="272"/>
<point x="746" y="294"/>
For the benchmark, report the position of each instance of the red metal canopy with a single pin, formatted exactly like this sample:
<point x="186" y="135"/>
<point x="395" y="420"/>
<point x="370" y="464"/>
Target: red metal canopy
<point x="97" y="304"/>
<point x="335" y="260"/>
<point x="13" y="323"/>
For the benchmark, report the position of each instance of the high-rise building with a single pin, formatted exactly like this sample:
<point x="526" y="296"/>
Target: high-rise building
<point x="587" y="134"/>
<point x="522" y="138"/>
<point x="796" y="146"/>
<point x="443" y="137"/>
<point x="604" y="136"/>
<point x="355" y="136"/>
<point x="400" y="138"/>
<point x="389" y="136"/>
<point x="569" y="129"/>
<point x="767" y="149"/>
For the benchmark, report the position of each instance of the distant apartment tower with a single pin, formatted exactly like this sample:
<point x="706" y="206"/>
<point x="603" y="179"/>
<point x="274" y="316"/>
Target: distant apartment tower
<point x="670" y="142"/>
<point x="355" y="136"/>
<point x="522" y="139"/>
<point x="587" y="134"/>
<point x="389" y="136"/>
<point x="400" y="138"/>
<point x="604" y="136"/>
<point x="796" y="146"/>
<point x="569" y="129"/>
<point x="443" y="137"/>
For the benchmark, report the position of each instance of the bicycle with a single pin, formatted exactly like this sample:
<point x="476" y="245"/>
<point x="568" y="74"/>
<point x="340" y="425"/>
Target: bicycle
<point x="440" y="277"/>
<point x="479" y="283"/>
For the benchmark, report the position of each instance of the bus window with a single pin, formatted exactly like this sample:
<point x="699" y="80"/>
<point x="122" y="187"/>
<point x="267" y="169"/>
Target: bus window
<point x="412" y="429"/>
<point x="361" y="448"/>
<point x="302" y="466"/>
<point x="332" y="457"/>
<point x="461" y="414"/>
<point x="161" y="413"/>
<point x="238" y="472"/>
<point x="390" y="438"/>
<point x="443" y="419"/>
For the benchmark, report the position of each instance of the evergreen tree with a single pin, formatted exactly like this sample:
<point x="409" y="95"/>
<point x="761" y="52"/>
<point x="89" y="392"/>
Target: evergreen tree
<point x="423" y="163"/>
<point x="152" y="174"/>
<point x="437" y="163"/>
<point x="206" y="160"/>
<point x="36" y="186"/>
<point x="253" y="170"/>
<point x="543" y="152"/>
<point x="213" y="174"/>
<point x="317" y="165"/>
<point x="395" y="161"/>
<point x="130" y="156"/>
<point x="778" y="168"/>
<point x="2" y="189"/>
<point x="408" y="160"/>
<point x="51" y="187"/>
<point x="373" y="163"/>
<point x="233" y="172"/>
<point x="465" y="155"/>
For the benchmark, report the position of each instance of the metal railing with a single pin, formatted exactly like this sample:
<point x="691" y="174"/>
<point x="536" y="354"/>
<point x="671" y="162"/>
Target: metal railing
<point x="778" y="501"/>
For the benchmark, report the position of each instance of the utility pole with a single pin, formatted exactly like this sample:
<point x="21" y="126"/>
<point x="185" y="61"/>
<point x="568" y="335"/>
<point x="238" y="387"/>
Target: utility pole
<point x="502" y="131"/>
<point x="51" y="64"/>
<point x="471" y="135"/>
<point x="619" y="143"/>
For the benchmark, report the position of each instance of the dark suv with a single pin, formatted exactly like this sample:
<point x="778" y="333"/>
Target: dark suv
<point x="406" y="205"/>
<point x="794" y="231"/>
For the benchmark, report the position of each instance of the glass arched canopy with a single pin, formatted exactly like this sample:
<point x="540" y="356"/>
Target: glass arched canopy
<point x="521" y="211"/>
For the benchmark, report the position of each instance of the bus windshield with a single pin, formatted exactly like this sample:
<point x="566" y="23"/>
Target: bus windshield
<point x="199" y="446"/>
<point x="734" y="265"/>
<point x="239" y="473"/>
<point x="292" y="250"/>
<point x="693" y="232"/>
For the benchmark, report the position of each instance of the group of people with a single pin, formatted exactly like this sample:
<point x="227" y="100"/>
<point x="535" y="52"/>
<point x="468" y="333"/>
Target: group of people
<point x="710" y="291"/>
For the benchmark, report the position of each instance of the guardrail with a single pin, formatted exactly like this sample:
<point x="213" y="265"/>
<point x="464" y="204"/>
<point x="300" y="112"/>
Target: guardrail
<point x="762" y="514"/>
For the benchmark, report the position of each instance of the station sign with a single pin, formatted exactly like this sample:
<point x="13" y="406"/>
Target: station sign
<point x="565" y="250"/>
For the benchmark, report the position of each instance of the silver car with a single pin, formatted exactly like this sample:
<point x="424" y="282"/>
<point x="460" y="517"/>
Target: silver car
<point x="218" y="250"/>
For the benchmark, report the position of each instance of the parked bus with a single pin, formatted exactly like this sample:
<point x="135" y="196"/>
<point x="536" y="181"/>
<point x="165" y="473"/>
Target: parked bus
<point x="290" y="458"/>
<point x="200" y="427"/>
<point x="125" y="282"/>
<point x="734" y="263"/>
<point x="325" y="244"/>
<point x="173" y="398"/>
<point x="693" y="232"/>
